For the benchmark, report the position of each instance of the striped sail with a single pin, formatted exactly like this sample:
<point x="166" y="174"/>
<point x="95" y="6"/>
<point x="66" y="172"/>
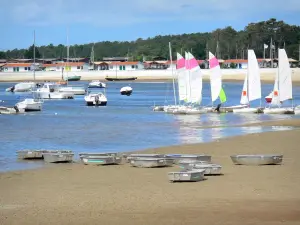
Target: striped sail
<point x="181" y="72"/>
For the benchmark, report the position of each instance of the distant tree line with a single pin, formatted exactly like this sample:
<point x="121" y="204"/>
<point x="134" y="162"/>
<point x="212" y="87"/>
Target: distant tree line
<point x="231" y="44"/>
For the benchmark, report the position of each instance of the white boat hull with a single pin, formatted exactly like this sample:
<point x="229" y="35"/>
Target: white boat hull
<point x="73" y="90"/>
<point x="246" y="110"/>
<point x="24" y="87"/>
<point x="55" y="95"/>
<point x="278" y="111"/>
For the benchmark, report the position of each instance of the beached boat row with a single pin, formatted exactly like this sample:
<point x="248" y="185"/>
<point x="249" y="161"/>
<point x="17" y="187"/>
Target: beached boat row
<point x="189" y="79"/>
<point x="192" y="167"/>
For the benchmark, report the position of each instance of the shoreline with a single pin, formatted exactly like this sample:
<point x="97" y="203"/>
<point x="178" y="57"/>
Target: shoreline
<point x="121" y="194"/>
<point x="228" y="75"/>
<point x="79" y="194"/>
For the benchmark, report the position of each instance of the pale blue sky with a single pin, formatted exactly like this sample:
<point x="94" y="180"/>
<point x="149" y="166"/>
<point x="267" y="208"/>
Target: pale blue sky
<point x="118" y="20"/>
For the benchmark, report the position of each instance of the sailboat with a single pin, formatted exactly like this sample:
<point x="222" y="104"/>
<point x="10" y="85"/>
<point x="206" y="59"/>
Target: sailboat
<point x="193" y="86"/>
<point x="76" y="90"/>
<point x="31" y="104"/>
<point x="282" y="87"/>
<point x="215" y="82"/>
<point x="252" y="85"/>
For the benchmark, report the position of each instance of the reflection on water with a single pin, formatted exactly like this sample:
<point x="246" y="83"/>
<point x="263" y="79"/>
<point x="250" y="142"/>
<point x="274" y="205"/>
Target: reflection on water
<point x="127" y="123"/>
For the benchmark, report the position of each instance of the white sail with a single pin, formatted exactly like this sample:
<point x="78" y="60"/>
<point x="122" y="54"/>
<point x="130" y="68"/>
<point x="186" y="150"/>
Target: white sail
<point x="181" y="72"/>
<point x="187" y="79"/>
<point x="275" y="93"/>
<point x="285" y="77"/>
<point x="195" y="80"/>
<point x="215" y="77"/>
<point x="254" y="84"/>
<point x="244" y="96"/>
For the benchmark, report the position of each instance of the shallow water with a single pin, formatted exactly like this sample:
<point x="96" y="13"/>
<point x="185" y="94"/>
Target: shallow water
<point x="126" y="123"/>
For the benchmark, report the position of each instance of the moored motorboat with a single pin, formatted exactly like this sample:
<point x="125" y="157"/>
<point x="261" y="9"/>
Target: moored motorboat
<point x="96" y="84"/>
<point x="95" y="99"/>
<point x="73" y="78"/>
<point x="126" y="90"/>
<point x="271" y="159"/>
<point x="185" y="176"/>
<point x="76" y="90"/>
<point x="51" y="91"/>
<point x="30" y="104"/>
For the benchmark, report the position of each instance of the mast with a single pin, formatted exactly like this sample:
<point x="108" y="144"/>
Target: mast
<point x="68" y="48"/>
<point x="34" y="56"/>
<point x="271" y="49"/>
<point x="174" y="91"/>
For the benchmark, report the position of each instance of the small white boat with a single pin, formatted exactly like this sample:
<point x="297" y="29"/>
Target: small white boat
<point x="96" y="84"/>
<point x="30" y="154"/>
<point x="193" y="175"/>
<point x="137" y="155"/>
<point x="30" y="104"/>
<point x="100" y="159"/>
<point x="51" y="91"/>
<point x="256" y="159"/>
<point x="126" y="90"/>
<point x="210" y="168"/>
<point x="297" y="110"/>
<point x="76" y="90"/>
<point x="24" y="87"/>
<point x="97" y="99"/>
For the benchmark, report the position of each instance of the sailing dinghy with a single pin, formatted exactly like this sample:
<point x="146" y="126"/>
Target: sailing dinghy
<point x="252" y="85"/>
<point x="282" y="86"/>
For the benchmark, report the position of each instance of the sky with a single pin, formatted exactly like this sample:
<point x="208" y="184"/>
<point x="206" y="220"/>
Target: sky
<point x="88" y="21"/>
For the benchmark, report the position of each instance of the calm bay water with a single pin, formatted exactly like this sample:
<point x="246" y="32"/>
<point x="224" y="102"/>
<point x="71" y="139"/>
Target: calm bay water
<point x="126" y="123"/>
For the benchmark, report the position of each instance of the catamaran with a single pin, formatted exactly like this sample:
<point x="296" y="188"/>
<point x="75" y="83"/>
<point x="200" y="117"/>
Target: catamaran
<point x="252" y="85"/>
<point x="282" y="87"/>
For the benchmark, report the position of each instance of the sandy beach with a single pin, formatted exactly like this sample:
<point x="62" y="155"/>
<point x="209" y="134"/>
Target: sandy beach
<point x="79" y="194"/>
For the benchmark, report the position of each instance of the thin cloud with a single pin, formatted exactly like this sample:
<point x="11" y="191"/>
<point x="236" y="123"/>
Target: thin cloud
<point x="116" y="12"/>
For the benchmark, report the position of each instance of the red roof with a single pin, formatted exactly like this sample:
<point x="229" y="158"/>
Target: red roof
<point x="124" y="63"/>
<point x="64" y="64"/>
<point x="17" y="65"/>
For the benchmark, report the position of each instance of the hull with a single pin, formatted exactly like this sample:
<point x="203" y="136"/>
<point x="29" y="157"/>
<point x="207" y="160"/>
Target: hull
<point x="297" y="110"/>
<point x="30" y="105"/>
<point x="100" y="160"/>
<point x="158" y="108"/>
<point x="126" y="93"/>
<point x="151" y="162"/>
<point x="95" y="100"/>
<point x="193" y="158"/>
<point x="23" y="87"/>
<point x="58" y="157"/>
<point x="256" y="160"/>
<point x="120" y="78"/>
<point x="97" y="84"/>
<point x="11" y="110"/>
<point x="246" y="110"/>
<point x="92" y="103"/>
<point x="278" y="111"/>
<point x="133" y="156"/>
<point x="231" y="108"/>
<point x="30" y="154"/>
<point x="73" y="78"/>
<point x="210" y="169"/>
<point x="185" y="176"/>
<point x="73" y="90"/>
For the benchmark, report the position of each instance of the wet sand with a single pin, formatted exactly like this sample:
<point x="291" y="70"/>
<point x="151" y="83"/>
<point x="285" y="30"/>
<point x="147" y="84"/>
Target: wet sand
<point x="78" y="194"/>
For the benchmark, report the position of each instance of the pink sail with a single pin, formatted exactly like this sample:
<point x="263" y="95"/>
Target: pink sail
<point x="180" y="61"/>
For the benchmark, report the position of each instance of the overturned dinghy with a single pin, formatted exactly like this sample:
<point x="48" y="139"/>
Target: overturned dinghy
<point x="58" y="156"/>
<point x="193" y="175"/>
<point x="100" y="158"/>
<point x="151" y="162"/>
<point x="256" y="160"/>
<point x="134" y="156"/>
<point x="30" y="154"/>
<point x="193" y="158"/>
